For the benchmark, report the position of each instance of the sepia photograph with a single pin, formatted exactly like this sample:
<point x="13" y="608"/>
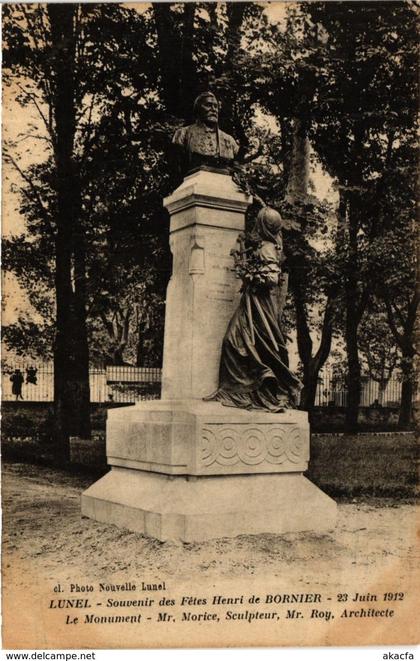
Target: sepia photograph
<point x="210" y="278"/>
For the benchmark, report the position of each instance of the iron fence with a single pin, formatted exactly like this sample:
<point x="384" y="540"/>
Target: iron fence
<point x="332" y="391"/>
<point x="127" y="384"/>
<point x="123" y="384"/>
<point x="38" y="387"/>
<point x="132" y="384"/>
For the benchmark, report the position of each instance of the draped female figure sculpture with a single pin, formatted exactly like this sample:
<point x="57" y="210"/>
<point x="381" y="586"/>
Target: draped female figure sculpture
<point x="254" y="367"/>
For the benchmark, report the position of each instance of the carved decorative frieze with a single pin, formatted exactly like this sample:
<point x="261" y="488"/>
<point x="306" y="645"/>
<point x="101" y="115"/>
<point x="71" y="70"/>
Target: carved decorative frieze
<point x="229" y="445"/>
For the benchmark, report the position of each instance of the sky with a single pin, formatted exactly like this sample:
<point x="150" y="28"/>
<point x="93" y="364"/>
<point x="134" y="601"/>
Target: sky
<point x="276" y="11"/>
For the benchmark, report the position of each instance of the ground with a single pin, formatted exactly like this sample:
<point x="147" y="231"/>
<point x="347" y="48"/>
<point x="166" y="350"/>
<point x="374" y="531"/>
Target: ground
<point x="33" y="496"/>
<point x="44" y="533"/>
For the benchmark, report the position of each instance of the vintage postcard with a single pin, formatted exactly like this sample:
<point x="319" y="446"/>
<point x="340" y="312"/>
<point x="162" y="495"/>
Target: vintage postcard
<point x="209" y="324"/>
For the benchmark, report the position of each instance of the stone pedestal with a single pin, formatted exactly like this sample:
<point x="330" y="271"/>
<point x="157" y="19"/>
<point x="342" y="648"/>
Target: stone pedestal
<point x="192" y="470"/>
<point x="186" y="469"/>
<point x="207" y="214"/>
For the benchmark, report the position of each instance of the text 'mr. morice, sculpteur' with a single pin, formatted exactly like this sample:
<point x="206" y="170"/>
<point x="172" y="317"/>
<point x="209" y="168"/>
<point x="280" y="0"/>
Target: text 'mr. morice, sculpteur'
<point x="203" y="144"/>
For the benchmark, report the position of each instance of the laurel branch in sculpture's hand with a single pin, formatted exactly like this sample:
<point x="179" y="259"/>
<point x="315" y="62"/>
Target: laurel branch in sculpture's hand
<point x="255" y="271"/>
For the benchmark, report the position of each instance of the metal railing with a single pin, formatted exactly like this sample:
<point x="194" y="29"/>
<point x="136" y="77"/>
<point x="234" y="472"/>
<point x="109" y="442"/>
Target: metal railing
<point x="132" y="384"/>
<point x="123" y="383"/>
<point x="127" y="384"/>
<point x="332" y="391"/>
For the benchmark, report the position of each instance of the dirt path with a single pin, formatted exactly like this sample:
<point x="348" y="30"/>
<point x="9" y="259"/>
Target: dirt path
<point x="46" y="539"/>
<point x="42" y="522"/>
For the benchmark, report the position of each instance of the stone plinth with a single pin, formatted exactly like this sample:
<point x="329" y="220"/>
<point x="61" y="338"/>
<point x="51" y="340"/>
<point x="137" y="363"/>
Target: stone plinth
<point x="196" y="509"/>
<point x="186" y="469"/>
<point x="205" y="438"/>
<point x="194" y="470"/>
<point x="207" y="214"/>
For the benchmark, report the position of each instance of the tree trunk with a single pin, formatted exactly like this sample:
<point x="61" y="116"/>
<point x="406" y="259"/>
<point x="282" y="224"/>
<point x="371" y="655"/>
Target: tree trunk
<point x="310" y="380"/>
<point x="61" y="19"/>
<point x="297" y="189"/>
<point x="406" y="342"/>
<point x="188" y="76"/>
<point x="118" y="357"/>
<point x="81" y="396"/>
<point x="143" y="329"/>
<point x="353" y="316"/>
<point x="71" y="416"/>
<point x="416" y="332"/>
<point x="317" y="362"/>
<point x="407" y="392"/>
<point x="312" y="365"/>
<point x="231" y="116"/>
<point x="297" y="185"/>
<point x="381" y="392"/>
<point x="353" y="366"/>
<point x="168" y="55"/>
<point x="286" y="130"/>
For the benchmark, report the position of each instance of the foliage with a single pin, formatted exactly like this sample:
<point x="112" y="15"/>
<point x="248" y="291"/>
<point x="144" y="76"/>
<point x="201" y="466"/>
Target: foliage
<point x="28" y="338"/>
<point x="126" y="114"/>
<point x="377" y="345"/>
<point x="350" y="81"/>
<point x="250" y="267"/>
<point x="114" y="179"/>
<point x="341" y="74"/>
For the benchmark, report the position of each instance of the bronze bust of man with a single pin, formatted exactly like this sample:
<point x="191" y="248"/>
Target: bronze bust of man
<point x="202" y="144"/>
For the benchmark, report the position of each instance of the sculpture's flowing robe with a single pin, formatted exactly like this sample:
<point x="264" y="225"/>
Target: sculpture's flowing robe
<point x="257" y="375"/>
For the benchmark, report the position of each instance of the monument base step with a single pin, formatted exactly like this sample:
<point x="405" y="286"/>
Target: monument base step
<point x="194" y="509"/>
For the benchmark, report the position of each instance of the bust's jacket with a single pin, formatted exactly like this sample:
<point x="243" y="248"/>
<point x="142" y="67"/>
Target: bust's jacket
<point x="200" y="139"/>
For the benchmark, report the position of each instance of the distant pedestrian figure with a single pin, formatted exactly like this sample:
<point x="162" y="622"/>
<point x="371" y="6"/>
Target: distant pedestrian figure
<point x="17" y="380"/>
<point x="31" y="375"/>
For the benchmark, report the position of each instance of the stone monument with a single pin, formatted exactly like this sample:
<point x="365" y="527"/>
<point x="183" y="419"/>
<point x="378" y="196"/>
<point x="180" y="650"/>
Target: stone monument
<point x="181" y="467"/>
